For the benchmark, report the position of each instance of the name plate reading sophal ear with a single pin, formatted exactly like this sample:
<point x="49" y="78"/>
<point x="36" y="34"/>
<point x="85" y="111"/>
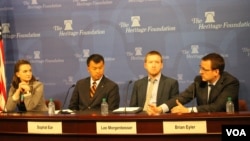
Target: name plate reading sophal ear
<point x="45" y="127"/>
<point x="116" y="128"/>
<point x="184" y="127"/>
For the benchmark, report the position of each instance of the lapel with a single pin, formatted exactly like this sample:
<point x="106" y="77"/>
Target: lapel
<point x="160" y="88"/>
<point x="143" y="92"/>
<point x="85" y="91"/>
<point x="202" y="92"/>
<point x="214" y="93"/>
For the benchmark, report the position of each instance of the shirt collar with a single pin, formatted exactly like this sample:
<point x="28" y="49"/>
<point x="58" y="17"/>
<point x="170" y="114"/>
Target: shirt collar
<point x="157" y="78"/>
<point x="213" y="83"/>
<point x="97" y="81"/>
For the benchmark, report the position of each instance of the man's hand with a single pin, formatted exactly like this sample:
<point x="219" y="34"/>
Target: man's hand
<point x="153" y="110"/>
<point x="179" y="108"/>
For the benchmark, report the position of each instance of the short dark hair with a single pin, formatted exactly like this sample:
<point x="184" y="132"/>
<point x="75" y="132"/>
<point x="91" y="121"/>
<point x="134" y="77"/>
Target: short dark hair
<point x="97" y="58"/>
<point x="217" y="61"/>
<point x="153" y="52"/>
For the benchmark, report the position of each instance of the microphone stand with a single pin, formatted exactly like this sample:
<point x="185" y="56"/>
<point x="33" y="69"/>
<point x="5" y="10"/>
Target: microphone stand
<point x="66" y="112"/>
<point x="125" y="109"/>
<point x="194" y="91"/>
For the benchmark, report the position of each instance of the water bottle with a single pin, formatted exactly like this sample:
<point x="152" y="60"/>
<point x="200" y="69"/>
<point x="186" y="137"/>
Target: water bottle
<point x="22" y="107"/>
<point x="229" y="106"/>
<point x="51" y="106"/>
<point x="104" y="107"/>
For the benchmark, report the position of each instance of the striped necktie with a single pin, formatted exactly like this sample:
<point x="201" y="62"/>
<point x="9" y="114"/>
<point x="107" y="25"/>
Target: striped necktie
<point x="92" y="89"/>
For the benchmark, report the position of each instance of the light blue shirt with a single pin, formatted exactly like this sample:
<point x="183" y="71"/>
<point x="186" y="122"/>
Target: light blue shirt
<point x="153" y="97"/>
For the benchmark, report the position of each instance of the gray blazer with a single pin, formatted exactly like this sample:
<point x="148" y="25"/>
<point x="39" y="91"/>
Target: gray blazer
<point x="168" y="88"/>
<point x="34" y="102"/>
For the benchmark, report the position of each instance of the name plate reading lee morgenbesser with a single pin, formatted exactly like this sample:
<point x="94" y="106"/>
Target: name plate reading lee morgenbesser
<point x="116" y="128"/>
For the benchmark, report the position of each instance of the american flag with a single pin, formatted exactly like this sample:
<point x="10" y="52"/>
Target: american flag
<point x="3" y="95"/>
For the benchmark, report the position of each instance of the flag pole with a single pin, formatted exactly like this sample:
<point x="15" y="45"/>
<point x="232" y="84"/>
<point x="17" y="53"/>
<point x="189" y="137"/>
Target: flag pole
<point x="3" y="95"/>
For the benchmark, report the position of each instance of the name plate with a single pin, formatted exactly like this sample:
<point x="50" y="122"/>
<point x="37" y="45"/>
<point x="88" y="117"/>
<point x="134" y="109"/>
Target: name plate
<point x="184" y="127"/>
<point x="116" y="128"/>
<point x="45" y="127"/>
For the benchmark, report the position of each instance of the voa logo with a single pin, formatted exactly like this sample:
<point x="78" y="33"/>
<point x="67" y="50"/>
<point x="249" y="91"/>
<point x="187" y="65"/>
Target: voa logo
<point x="236" y="132"/>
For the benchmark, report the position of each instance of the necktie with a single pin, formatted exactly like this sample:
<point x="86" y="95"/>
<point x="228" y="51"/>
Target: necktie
<point x="92" y="89"/>
<point x="211" y="86"/>
<point x="149" y="93"/>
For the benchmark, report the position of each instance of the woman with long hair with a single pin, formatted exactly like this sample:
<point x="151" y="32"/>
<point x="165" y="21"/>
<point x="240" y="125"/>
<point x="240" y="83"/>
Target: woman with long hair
<point x="26" y="93"/>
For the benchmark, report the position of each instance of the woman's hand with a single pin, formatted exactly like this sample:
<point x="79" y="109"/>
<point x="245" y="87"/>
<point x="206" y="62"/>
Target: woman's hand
<point x="24" y="87"/>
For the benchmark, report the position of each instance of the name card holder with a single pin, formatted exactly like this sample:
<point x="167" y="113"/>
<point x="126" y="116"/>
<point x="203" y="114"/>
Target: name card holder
<point x="116" y="128"/>
<point x="184" y="127"/>
<point x="44" y="127"/>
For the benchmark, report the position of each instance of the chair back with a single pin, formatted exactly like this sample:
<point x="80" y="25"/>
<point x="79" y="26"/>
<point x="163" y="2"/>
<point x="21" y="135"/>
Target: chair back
<point x="242" y="105"/>
<point x="57" y="104"/>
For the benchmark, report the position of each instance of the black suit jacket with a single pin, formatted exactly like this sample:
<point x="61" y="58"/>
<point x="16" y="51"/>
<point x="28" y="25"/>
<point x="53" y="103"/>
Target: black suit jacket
<point x="226" y="86"/>
<point x="168" y="88"/>
<point x="81" y="100"/>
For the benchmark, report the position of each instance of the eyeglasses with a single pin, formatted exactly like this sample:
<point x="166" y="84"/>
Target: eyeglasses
<point x="206" y="70"/>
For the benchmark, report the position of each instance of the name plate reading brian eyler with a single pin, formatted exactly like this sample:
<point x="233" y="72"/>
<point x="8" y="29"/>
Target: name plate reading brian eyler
<point x="184" y="127"/>
<point x="45" y="127"/>
<point x="116" y="128"/>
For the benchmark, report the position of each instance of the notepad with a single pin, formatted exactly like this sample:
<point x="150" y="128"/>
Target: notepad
<point x="64" y="111"/>
<point x="127" y="110"/>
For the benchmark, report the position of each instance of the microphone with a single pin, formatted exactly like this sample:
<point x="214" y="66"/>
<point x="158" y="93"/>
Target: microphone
<point x="65" y="112"/>
<point x="123" y="110"/>
<point x="194" y="93"/>
<point x="126" y="98"/>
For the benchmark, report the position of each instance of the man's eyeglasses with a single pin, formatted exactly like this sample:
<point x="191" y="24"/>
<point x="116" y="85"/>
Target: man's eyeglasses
<point x="204" y="69"/>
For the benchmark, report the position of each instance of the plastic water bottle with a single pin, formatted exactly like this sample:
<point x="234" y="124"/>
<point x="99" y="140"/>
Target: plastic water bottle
<point x="229" y="106"/>
<point x="51" y="106"/>
<point x="104" y="107"/>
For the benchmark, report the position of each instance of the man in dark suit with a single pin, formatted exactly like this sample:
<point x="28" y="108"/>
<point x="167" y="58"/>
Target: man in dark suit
<point x="163" y="87"/>
<point x="89" y="92"/>
<point x="211" y="89"/>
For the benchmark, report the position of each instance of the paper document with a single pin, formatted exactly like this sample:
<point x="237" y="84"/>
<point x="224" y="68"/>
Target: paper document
<point x="128" y="110"/>
<point x="65" y="111"/>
